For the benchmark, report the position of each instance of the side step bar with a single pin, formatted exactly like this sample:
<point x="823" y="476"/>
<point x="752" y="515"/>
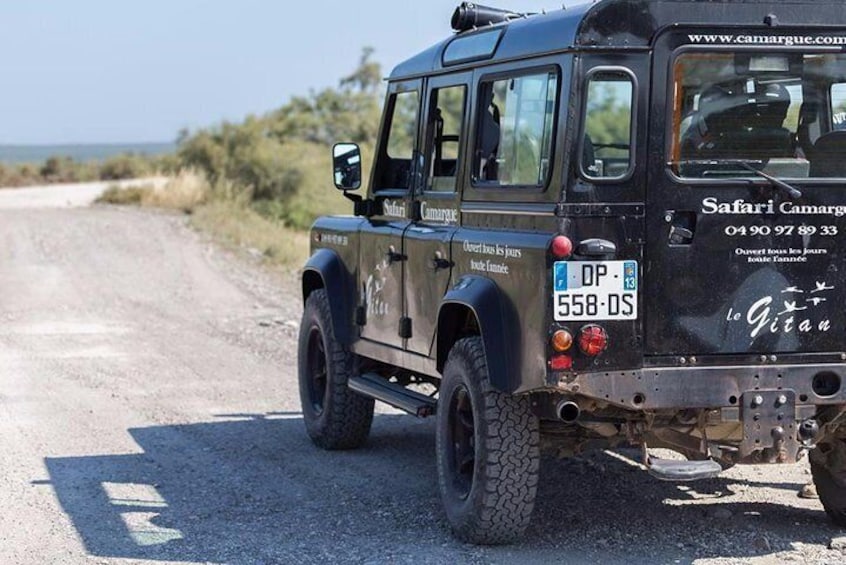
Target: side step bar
<point x="682" y="471"/>
<point x="374" y="386"/>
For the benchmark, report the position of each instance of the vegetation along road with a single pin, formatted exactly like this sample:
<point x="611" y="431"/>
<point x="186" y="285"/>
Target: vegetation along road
<point x="149" y="411"/>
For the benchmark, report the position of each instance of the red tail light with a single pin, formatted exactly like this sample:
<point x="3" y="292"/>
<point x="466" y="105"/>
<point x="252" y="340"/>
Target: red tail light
<point x="561" y="363"/>
<point x="593" y="340"/>
<point x="561" y="247"/>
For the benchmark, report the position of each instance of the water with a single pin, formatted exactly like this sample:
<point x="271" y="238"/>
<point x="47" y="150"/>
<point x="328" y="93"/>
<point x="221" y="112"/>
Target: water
<point x="12" y="154"/>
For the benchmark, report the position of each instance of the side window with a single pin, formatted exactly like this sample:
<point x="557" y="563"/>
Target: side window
<point x="607" y="142"/>
<point x="838" y="106"/>
<point x="515" y="130"/>
<point x="446" y="116"/>
<point x="393" y="169"/>
<point x="791" y="121"/>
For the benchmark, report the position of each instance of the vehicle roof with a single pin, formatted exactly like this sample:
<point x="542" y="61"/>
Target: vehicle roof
<point x="626" y="24"/>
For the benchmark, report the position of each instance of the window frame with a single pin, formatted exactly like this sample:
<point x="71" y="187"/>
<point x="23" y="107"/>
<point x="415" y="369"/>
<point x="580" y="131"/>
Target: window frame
<point x="632" y="124"/>
<point x="381" y="151"/>
<point x="490" y="78"/>
<point x="462" y="140"/>
<point x="393" y="115"/>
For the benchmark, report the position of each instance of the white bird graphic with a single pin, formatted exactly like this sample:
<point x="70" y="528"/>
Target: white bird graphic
<point x="791" y="307"/>
<point x="822" y="287"/>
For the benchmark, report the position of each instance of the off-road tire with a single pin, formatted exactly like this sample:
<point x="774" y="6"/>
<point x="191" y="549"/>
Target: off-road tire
<point x="496" y="506"/>
<point x="828" y="467"/>
<point x="335" y="416"/>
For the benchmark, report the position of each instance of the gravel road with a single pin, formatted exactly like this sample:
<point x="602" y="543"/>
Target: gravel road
<point x="149" y="413"/>
<point x="64" y="195"/>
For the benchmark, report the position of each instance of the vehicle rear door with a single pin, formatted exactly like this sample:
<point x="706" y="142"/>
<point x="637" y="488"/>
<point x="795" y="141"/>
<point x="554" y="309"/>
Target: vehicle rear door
<point x="735" y="263"/>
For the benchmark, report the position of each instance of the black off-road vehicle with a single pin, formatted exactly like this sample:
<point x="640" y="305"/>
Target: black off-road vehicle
<point x="622" y="223"/>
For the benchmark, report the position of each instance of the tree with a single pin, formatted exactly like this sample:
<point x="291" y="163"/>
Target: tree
<point x="349" y="113"/>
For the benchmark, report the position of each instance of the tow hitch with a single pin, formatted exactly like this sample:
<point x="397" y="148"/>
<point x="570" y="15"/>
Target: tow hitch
<point x="769" y="426"/>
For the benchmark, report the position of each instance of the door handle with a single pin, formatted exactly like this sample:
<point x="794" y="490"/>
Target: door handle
<point x="682" y="227"/>
<point x="680" y="236"/>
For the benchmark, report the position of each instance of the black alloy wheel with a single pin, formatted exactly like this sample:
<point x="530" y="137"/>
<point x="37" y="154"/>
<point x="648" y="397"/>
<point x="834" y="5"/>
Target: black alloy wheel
<point x="462" y="430"/>
<point x="319" y="380"/>
<point x="488" y="453"/>
<point x="335" y="417"/>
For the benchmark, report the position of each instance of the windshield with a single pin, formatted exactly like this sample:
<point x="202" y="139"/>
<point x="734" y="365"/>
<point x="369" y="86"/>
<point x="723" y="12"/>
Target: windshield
<point x="735" y="113"/>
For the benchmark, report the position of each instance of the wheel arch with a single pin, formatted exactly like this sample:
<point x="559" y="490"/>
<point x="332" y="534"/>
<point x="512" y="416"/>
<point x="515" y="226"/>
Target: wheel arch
<point x="326" y="270"/>
<point x="476" y="306"/>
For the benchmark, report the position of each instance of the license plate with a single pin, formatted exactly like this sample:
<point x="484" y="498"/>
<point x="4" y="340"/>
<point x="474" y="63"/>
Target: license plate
<point x="595" y="290"/>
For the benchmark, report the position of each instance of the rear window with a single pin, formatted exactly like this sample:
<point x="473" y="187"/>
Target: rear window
<point x="735" y="113"/>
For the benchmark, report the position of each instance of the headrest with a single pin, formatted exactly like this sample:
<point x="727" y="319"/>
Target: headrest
<point x="728" y="107"/>
<point x="724" y="107"/>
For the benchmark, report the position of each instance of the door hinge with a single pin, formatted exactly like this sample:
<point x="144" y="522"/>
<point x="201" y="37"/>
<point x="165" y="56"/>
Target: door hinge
<point x="405" y="328"/>
<point x="394" y="256"/>
<point x="416" y="211"/>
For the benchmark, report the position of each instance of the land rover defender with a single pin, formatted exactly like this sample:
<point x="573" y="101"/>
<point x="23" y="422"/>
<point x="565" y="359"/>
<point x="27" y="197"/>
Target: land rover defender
<point x="616" y="224"/>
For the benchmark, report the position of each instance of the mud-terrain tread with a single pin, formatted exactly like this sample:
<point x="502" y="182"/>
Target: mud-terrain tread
<point x="499" y="507"/>
<point x="347" y="416"/>
<point x="829" y="471"/>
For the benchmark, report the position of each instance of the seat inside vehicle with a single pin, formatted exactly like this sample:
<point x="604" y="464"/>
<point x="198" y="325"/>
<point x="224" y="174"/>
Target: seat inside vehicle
<point x="829" y="156"/>
<point x="731" y="123"/>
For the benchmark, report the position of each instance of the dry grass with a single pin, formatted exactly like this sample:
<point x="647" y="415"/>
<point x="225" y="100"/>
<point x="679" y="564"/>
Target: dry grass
<point x="239" y="226"/>
<point x="187" y="190"/>
<point x="130" y="195"/>
<point x="221" y="213"/>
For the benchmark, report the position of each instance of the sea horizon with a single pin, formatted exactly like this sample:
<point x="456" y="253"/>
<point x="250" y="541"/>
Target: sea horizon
<point x="13" y="154"/>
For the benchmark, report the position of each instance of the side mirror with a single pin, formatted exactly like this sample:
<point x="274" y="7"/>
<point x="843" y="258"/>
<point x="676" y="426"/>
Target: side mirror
<point x="346" y="160"/>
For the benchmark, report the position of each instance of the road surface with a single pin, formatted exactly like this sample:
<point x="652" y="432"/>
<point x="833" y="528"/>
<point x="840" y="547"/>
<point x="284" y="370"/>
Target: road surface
<point x="64" y="195"/>
<point x="149" y="412"/>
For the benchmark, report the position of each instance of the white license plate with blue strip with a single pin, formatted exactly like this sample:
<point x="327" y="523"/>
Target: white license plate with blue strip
<point x="595" y="290"/>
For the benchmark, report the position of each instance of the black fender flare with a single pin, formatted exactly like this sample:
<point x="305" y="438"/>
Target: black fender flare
<point x="498" y="325"/>
<point x="325" y="269"/>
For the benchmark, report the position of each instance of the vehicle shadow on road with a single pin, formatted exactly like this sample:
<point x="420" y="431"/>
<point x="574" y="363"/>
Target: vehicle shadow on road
<point x="253" y="489"/>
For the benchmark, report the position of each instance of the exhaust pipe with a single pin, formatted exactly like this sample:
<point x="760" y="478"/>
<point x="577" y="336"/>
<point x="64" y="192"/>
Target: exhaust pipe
<point x="568" y="411"/>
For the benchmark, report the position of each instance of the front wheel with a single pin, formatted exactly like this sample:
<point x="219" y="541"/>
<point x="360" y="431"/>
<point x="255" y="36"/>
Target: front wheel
<point x="488" y="451"/>
<point x="828" y="467"/>
<point x="335" y="416"/>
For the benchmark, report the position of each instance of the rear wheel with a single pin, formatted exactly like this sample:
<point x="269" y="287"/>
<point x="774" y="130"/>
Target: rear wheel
<point x="828" y="467"/>
<point x="335" y="416"/>
<point x="487" y="450"/>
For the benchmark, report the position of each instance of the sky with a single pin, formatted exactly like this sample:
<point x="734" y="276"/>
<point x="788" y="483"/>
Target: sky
<point x="106" y="71"/>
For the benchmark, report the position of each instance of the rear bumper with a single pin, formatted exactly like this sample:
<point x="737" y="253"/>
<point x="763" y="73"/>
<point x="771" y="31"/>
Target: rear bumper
<point x="708" y="387"/>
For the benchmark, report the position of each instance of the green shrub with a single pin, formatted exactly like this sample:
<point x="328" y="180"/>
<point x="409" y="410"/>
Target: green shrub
<point x="130" y="195"/>
<point x="64" y="169"/>
<point x="126" y="166"/>
<point x="280" y="164"/>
